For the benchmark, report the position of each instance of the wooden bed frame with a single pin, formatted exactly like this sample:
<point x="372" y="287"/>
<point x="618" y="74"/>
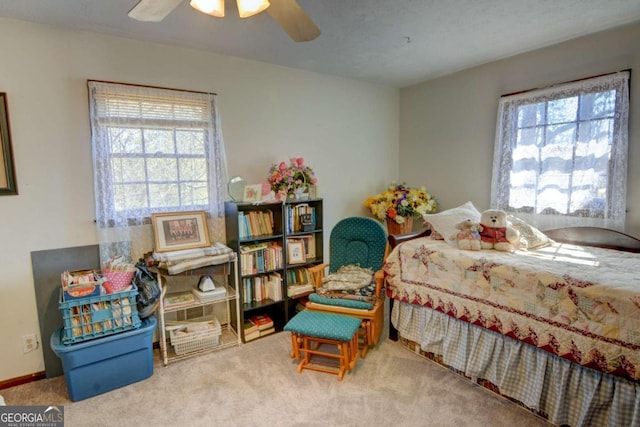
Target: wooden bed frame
<point x="585" y="236"/>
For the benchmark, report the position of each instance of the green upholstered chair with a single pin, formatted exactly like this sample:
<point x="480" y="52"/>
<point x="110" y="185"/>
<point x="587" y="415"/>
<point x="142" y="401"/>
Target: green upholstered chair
<point x="355" y="241"/>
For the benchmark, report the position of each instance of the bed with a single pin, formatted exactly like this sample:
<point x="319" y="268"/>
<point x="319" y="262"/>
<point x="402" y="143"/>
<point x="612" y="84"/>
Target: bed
<point x="555" y="328"/>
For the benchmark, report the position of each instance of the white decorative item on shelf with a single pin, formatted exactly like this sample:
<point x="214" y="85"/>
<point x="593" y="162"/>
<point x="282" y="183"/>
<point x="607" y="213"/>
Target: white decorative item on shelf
<point x="206" y="284"/>
<point x="301" y="193"/>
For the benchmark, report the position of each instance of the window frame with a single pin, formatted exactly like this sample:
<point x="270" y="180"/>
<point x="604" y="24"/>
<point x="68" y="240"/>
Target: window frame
<point x="506" y="142"/>
<point x="178" y="102"/>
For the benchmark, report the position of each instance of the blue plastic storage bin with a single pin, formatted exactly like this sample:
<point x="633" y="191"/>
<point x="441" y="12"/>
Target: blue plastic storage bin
<point x="104" y="364"/>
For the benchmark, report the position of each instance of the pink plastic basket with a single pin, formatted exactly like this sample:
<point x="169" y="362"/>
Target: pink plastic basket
<point x="119" y="279"/>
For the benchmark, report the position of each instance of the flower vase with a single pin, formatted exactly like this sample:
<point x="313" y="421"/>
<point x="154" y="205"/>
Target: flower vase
<point x="404" y="228"/>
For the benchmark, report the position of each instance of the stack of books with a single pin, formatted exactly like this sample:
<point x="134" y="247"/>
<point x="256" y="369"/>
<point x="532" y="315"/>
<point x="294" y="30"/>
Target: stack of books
<point x="258" y="326"/>
<point x="251" y="331"/>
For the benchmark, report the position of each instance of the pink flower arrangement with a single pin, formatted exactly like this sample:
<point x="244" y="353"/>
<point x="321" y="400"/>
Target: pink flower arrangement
<point x="286" y="179"/>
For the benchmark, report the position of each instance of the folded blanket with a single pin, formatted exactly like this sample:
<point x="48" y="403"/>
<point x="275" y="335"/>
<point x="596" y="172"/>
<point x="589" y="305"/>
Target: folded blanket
<point x="175" y="267"/>
<point x="351" y="295"/>
<point x="215" y="249"/>
<point x="348" y="277"/>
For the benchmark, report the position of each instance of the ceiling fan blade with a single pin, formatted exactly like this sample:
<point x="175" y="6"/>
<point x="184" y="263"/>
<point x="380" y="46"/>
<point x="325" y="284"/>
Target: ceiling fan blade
<point x="153" y="10"/>
<point x="293" y="20"/>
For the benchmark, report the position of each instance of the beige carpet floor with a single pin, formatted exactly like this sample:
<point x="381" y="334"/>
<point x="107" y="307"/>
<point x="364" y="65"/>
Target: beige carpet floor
<point x="257" y="385"/>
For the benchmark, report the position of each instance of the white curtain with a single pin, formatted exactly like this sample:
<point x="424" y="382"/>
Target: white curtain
<point x="560" y="154"/>
<point x="154" y="150"/>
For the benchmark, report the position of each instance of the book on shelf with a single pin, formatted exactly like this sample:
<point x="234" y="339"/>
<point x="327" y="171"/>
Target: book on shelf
<point x="249" y="326"/>
<point x="177" y="300"/>
<point x="267" y="331"/>
<point x="255" y="223"/>
<point x="266" y="286"/>
<point x="251" y="330"/>
<point x="294" y="219"/>
<point x="300" y="289"/>
<point x="273" y="287"/>
<point x="258" y="288"/>
<point x="298" y="276"/>
<point x="261" y="257"/>
<point x="262" y="321"/>
<point x="249" y="336"/>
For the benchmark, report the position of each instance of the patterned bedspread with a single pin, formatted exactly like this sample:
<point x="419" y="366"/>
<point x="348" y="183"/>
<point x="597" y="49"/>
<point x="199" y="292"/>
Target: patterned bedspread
<point x="580" y="303"/>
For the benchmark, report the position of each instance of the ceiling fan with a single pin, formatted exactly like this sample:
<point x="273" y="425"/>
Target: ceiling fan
<point x="287" y="13"/>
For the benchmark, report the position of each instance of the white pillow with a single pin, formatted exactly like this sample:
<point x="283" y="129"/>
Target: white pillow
<point x="444" y="223"/>
<point x="530" y="237"/>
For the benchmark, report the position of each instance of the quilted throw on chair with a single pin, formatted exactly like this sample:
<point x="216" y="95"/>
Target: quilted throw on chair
<point x="350" y="281"/>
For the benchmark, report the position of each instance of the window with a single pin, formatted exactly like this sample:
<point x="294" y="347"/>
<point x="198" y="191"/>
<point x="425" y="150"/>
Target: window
<point x="561" y="153"/>
<point x="154" y="150"/>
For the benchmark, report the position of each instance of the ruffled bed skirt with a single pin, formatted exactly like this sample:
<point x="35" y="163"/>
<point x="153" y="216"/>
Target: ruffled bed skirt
<point x="547" y="385"/>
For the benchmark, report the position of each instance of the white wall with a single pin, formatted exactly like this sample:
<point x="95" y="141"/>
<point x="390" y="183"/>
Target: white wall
<point x="347" y="131"/>
<point x="447" y="126"/>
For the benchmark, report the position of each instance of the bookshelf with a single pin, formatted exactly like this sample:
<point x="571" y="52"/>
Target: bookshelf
<point x="303" y="222"/>
<point x="256" y="233"/>
<point x="263" y="235"/>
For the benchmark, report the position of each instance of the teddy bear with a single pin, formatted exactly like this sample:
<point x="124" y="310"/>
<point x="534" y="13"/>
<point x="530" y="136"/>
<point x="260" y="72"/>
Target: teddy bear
<point x="495" y="231"/>
<point x="468" y="235"/>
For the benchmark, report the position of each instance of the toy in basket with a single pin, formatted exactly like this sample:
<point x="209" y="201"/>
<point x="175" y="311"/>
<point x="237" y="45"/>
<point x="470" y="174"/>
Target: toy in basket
<point x="118" y="275"/>
<point x="80" y="283"/>
<point x="195" y="335"/>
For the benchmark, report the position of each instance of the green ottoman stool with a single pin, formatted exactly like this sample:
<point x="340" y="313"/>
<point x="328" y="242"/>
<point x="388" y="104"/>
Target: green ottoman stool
<point x="310" y="329"/>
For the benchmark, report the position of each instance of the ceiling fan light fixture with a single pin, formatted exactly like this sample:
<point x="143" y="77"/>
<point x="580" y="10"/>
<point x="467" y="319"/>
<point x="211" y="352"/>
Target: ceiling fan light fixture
<point x="247" y="8"/>
<point x="210" y="7"/>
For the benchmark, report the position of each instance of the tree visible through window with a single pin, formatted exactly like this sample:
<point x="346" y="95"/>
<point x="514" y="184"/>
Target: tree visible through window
<point x="561" y="151"/>
<point x="158" y="168"/>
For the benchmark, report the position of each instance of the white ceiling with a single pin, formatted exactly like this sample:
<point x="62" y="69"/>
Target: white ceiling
<point x="389" y="42"/>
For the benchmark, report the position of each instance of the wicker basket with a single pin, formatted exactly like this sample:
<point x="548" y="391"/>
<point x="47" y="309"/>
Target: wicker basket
<point x="119" y="280"/>
<point x="195" y="336"/>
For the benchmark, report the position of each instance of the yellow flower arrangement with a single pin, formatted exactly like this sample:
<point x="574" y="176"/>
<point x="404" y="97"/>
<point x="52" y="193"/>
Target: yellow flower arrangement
<point x="398" y="202"/>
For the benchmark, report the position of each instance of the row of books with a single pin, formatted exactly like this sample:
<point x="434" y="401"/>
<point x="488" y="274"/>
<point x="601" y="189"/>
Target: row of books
<point x="255" y="223"/>
<point x="260" y="257"/>
<point x="258" y="326"/>
<point x="299" y="282"/>
<point x="300" y="217"/>
<point x="258" y="288"/>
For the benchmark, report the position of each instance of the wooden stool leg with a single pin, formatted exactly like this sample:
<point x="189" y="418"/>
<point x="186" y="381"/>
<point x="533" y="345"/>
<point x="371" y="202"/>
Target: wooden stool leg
<point x="344" y="359"/>
<point x="354" y="352"/>
<point x="295" y="346"/>
<point x="307" y="355"/>
<point x="367" y="337"/>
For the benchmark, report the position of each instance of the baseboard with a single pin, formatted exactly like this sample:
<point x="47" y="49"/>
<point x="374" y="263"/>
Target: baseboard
<point x="12" y="382"/>
<point x="22" y="380"/>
